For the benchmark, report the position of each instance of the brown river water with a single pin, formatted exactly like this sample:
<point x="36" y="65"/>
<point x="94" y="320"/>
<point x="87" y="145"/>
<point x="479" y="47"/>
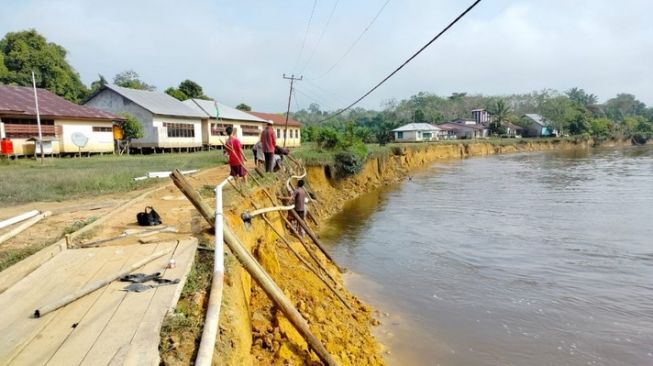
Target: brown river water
<point x="523" y="259"/>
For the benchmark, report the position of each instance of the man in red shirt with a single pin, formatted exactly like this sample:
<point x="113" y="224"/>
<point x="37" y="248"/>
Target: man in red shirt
<point x="269" y="142"/>
<point x="236" y="157"/>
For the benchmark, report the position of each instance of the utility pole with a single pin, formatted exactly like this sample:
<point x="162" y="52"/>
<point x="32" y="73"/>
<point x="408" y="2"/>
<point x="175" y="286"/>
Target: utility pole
<point x="292" y="79"/>
<point x="38" y="117"/>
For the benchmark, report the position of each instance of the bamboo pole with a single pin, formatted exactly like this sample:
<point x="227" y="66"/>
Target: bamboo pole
<point x="24" y="226"/>
<point x="256" y="271"/>
<point x="96" y="285"/>
<point x="312" y="235"/>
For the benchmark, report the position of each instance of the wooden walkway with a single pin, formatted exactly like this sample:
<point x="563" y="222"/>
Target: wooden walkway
<point x="107" y="327"/>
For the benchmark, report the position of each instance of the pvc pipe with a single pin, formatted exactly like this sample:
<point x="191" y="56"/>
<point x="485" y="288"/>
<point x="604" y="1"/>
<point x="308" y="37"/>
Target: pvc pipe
<point x="270" y="209"/>
<point x="19" y="218"/>
<point x="24" y="226"/>
<point x="210" y="331"/>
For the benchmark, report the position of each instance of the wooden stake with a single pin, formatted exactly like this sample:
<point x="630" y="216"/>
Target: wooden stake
<point x="312" y="235"/>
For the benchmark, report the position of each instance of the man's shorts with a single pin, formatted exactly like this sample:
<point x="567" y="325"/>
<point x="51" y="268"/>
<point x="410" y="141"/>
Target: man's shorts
<point x="237" y="171"/>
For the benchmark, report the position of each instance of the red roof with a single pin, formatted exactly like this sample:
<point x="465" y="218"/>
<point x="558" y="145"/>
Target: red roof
<point x="18" y="101"/>
<point x="278" y="119"/>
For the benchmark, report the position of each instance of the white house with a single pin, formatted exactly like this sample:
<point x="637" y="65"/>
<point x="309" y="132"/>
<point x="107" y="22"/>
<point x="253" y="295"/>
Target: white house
<point x="60" y="120"/>
<point x="413" y="132"/>
<point x="248" y="126"/>
<point x="167" y="122"/>
<point x="293" y="138"/>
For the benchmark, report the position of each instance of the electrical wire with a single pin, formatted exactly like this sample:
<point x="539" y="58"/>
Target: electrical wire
<point x="308" y="27"/>
<point x="351" y="47"/>
<point x="319" y="40"/>
<point x="405" y="62"/>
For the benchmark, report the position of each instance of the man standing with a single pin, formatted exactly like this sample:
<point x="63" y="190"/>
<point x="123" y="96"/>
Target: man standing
<point x="236" y="156"/>
<point x="269" y="142"/>
<point x="299" y="198"/>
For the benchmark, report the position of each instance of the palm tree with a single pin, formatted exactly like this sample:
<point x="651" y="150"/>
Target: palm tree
<point x="499" y="111"/>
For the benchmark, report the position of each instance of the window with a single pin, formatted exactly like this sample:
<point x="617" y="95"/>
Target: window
<point x="26" y="128"/>
<point x="400" y="135"/>
<point x="180" y="129"/>
<point x="427" y="135"/>
<point x="250" y="130"/>
<point x="278" y="132"/>
<point x="219" y="129"/>
<point x="102" y="129"/>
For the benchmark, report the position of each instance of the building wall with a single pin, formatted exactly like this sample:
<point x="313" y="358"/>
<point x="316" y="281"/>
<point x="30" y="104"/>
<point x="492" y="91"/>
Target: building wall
<point x="110" y="101"/>
<point x="160" y="138"/>
<point x="98" y="141"/>
<point x="414" y="136"/>
<point x="294" y="137"/>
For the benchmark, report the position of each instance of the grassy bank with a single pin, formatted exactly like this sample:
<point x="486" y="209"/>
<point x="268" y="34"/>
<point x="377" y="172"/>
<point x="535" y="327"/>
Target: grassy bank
<point x="26" y="180"/>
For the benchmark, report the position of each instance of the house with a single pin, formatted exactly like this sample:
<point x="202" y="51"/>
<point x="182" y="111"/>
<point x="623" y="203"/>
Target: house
<point x="512" y="130"/>
<point x="60" y="121"/>
<point x="481" y="116"/>
<point x="478" y="131"/>
<point x="248" y="126"/>
<point x="464" y="130"/>
<point x="167" y="122"/>
<point x="279" y="121"/>
<point x="414" y="132"/>
<point x="446" y="132"/>
<point x="536" y="126"/>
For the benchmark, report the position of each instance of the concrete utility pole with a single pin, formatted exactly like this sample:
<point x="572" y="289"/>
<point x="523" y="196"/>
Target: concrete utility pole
<point x="38" y="117"/>
<point x="292" y="79"/>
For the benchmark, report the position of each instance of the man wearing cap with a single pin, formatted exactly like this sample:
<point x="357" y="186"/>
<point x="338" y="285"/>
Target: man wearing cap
<point x="268" y="142"/>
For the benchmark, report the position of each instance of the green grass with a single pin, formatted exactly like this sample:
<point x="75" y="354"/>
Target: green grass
<point x="26" y="180"/>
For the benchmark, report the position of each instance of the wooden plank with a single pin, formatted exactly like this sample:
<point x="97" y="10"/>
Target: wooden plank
<point x="50" y="337"/>
<point x="19" y="301"/>
<point x="144" y="349"/>
<point x="96" y="318"/>
<point x="20" y="270"/>
<point x="125" y="320"/>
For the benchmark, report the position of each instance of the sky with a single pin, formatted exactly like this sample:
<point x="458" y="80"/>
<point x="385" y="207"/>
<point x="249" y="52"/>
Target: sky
<point x="238" y="51"/>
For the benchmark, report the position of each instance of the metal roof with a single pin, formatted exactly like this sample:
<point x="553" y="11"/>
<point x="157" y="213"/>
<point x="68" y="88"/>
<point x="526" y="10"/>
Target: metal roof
<point x="18" y="101"/>
<point x="537" y="119"/>
<point x="157" y="103"/>
<point x="277" y="119"/>
<point x="416" y="127"/>
<point x="226" y="112"/>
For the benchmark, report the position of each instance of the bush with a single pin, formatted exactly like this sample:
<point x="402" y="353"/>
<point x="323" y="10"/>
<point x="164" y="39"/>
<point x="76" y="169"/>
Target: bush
<point x="347" y="164"/>
<point x="328" y="138"/>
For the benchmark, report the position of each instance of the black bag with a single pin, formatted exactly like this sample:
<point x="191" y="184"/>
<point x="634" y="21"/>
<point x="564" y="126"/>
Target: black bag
<point x="150" y="218"/>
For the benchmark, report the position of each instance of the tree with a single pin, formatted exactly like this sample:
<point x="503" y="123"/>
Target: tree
<point x="176" y="93"/>
<point x="192" y="89"/>
<point x="130" y="79"/>
<point x="131" y="129"/>
<point x="418" y="116"/>
<point x="27" y="51"/>
<point x="500" y="112"/>
<point x="624" y="105"/>
<point x="98" y="84"/>
<point x="243" y="107"/>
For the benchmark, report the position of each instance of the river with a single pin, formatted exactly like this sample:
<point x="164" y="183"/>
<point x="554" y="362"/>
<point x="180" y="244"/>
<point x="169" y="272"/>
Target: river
<point x="521" y="259"/>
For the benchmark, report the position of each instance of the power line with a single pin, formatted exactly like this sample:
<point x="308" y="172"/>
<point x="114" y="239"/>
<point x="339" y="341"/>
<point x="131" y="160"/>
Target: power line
<point x="351" y="47"/>
<point x="319" y="40"/>
<point x="308" y="27"/>
<point x="407" y="61"/>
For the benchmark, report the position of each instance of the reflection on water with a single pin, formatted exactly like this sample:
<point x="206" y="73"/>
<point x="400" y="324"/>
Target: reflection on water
<point x="526" y="259"/>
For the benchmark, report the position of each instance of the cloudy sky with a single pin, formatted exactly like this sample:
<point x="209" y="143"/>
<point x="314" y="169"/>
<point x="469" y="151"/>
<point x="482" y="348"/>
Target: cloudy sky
<point x="239" y="49"/>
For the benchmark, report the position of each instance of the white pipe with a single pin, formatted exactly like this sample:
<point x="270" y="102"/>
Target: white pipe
<point x="19" y="218"/>
<point x="271" y="209"/>
<point x="210" y="331"/>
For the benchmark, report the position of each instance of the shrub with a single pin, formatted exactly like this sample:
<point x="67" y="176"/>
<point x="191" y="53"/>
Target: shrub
<point x="347" y="164"/>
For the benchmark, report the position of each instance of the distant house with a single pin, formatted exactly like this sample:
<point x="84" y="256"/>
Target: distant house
<point x="294" y="137"/>
<point x="481" y="116"/>
<point x="464" y="130"/>
<point x="513" y="130"/>
<point x="446" y="132"/>
<point x="60" y="120"/>
<point x="414" y="132"/>
<point x="167" y="122"/>
<point x="248" y="126"/>
<point x="536" y="126"/>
